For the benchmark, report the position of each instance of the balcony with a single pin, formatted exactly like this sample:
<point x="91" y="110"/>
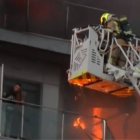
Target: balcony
<point x="27" y="121"/>
<point x="53" y="18"/>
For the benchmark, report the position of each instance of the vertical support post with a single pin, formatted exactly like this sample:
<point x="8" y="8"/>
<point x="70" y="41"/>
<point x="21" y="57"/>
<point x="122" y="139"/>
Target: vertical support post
<point x="27" y="14"/>
<point x="22" y="121"/>
<point x="62" y="126"/>
<point x="104" y="129"/>
<point x="67" y="19"/>
<point x="1" y="93"/>
<point x="136" y="43"/>
<point x="71" y="57"/>
<point x="5" y="20"/>
<point x="1" y="80"/>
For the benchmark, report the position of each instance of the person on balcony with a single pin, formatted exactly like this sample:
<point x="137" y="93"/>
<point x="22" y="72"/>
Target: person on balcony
<point x="13" y="100"/>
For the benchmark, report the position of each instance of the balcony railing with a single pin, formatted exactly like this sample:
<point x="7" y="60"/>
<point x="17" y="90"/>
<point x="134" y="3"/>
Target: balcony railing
<point x="23" y="120"/>
<point x="53" y="18"/>
<point x="30" y="121"/>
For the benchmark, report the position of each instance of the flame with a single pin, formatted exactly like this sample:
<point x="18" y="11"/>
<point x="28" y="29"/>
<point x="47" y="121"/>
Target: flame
<point x="83" y="79"/>
<point x="97" y="127"/>
<point x="78" y="123"/>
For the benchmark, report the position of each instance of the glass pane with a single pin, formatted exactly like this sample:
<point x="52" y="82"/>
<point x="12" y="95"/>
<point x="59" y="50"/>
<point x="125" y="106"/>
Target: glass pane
<point x="77" y="127"/>
<point x="11" y="119"/>
<point x="31" y="122"/>
<point x="2" y="13"/>
<point x="1" y="78"/>
<point x="54" y="18"/>
<point x="31" y="91"/>
<point x="1" y="91"/>
<point x="42" y="123"/>
<point x="48" y="124"/>
<point x="47" y="17"/>
<point x="15" y="14"/>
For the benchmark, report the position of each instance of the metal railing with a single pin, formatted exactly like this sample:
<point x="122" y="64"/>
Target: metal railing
<point x="21" y="120"/>
<point x="30" y="21"/>
<point x="46" y="118"/>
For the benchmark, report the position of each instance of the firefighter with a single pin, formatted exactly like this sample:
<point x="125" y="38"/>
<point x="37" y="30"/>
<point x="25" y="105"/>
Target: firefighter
<point x="118" y="26"/>
<point x="121" y="30"/>
<point x="110" y="22"/>
<point x="126" y="32"/>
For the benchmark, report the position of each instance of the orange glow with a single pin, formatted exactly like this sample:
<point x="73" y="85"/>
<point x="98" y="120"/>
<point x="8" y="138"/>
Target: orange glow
<point x="83" y="80"/>
<point x="113" y="88"/>
<point x="97" y="124"/>
<point x="78" y="123"/>
<point x="124" y="93"/>
<point x="103" y="86"/>
<point x="76" y="82"/>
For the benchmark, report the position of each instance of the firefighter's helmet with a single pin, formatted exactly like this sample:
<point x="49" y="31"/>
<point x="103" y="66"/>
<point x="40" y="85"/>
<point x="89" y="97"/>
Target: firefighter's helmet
<point x="105" y="18"/>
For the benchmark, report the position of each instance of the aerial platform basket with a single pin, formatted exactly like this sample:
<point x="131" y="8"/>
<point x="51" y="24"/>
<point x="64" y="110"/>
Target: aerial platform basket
<point x="87" y="64"/>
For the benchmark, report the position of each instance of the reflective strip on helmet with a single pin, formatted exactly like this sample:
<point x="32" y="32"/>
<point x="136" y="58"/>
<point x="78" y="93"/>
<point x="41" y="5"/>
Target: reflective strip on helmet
<point x="104" y="16"/>
<point x="123" y="18"/>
